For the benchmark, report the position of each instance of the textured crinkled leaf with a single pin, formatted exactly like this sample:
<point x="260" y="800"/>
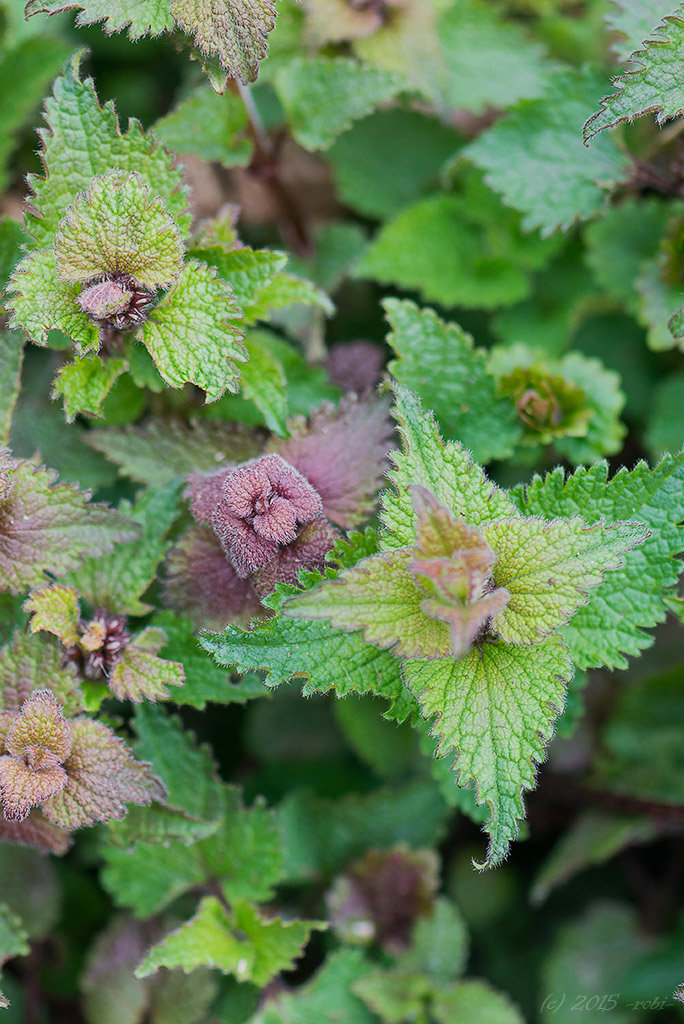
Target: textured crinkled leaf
<point x="342" y="452"/>
<point x="55" y="609"/>
<point x="379" y="596"/>
<point x="444" y="247"/>
<point x="548" y="569"/>
<point x="39" y="303"/>
<point x="85" y="383"/>
<point x="192" y="334"/>
<point x="593" y="838"/>
<point x="326" y="658"/>
<point x="495" y="707"/>
<point x="163" y="450"/>
<point x="118" y="225"/>
<point x="208" y="125"/>
<point x="635" y="21"/>
<point x="37" y="832"/>
<point x="473" y="42"/>
<point x="201" y="583"/>
<point x="102" y="777"/>
<point x="653" y="85"/>
<point x="326" y="998"/>
<point x="11" y="359"/>
<point x="246" y="270"/>
<point x="612" y="623"/>
<point x="323" y="96"/>
<point x="285" y="290"/>
<point x="50" y="526"/>
<point x="228" y="31"/>
<point x="437" y="360"/>
<point x="446" y="470"/>
<point x="238" y="941"/>
<point x="534" y="157"/>
<point x="244" y="855"/>
<point x="141" y="674"/>
<point x="152" y="17"/>
<point x="40" y="722"/>
<point x="31" y="663"/>
<point x="82" y="140"/>
<point x="22" y="788"/>
<point x="117" y="581"/>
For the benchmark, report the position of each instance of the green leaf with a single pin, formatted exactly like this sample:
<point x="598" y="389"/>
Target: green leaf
<point x="82" y="140"/>
<point x="323" y="96"/>
<point x="49" y="526"/>
<point x="152" y="17"/>
<point x="11" y="359"/>
<point x="439" y="944"/>
<point x="85" y="383"/>
<point x="446" y="470"/>
<point x="611" y="625"/>
<point x="325" y="658"/>
<point x="141" y="674"/>
<point x="29" y="663"/>
<point x="474" y="1001"/>
<point x="548" y="569"/>
<point x="413" y="144"/>
<point x="263" y="382"/>
<point x="635" y="21"/>
<point x="593" y="838"/>
<point x="602" y="387"/>
<point x="26" y="70"/>
<point x="35" y="893"/>
<point x="653" y="85"/>
<point x="55" y="609"/>
<point x="496" y="707"/>
<point x="473" y="42"/>
<point x="534" y="157"/>
<point x="228" y="32"/>
<point x="326" y="999"/>
<point x="663" y="429"/>
<point x="238" y="941"/>
<point x="437" y="361"/>
<point x="457" y="250"/>
<point x="13" y="941"/>
<point x="163" y="450"/>
<point x="193" y="336"/>
<point x="119" y="225"/>
<point x="208" y="125"/>
<point x="40" y="302"/>
<point x="117" y="581"/>
<point x="243" y="855"/>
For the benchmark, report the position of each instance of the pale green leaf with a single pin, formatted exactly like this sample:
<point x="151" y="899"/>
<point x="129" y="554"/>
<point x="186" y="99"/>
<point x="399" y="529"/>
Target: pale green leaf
<point x="140" y="674"/>
<point x="326" y="999"/>
<point x="439" y="943"/>
<point x="474" y="1001"/>
<point x="163" y="450"/>
<point x="50" y="526"/>
<point x="548" y="569"/>
<point x="263" y="382"/>
<point x="496" y="708"/>
<point x="85" y="383"/>
<point x="324" y="657"/>
<point x="632" y="599"/>
<point x="246" y="270"/>
<point x="82" y="140"/>
<point x="285" y="290"/>
<point x="11" y="359"/>
<point x="152" y="17"/>
<point x="534" y="157"/>
<point x="474" y="41"/>
<point x="55" y="609"/>
<point x="437" y="360"/>
<point x="605" y="431"/>
<point x="445" y="469"/>
<point x="635" y="21"/>
<point x="29" y="663"/>
<point x="379" y="596"/>
<point x="653" y="86"/>
<point x="446" y="247"/>
<point x="39" y="303"/>
<point x="117" y="581"/>
<point x="658" y="302"/>
<point x="227" y="32"/>
<point x="323" y="96"/>
<point x="118" y="225"/>
<point x="193" y="335"/>
<point x="208" y="125"/>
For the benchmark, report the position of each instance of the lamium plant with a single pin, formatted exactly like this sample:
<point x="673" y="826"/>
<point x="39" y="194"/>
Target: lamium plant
<point x="341" y="505"/>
